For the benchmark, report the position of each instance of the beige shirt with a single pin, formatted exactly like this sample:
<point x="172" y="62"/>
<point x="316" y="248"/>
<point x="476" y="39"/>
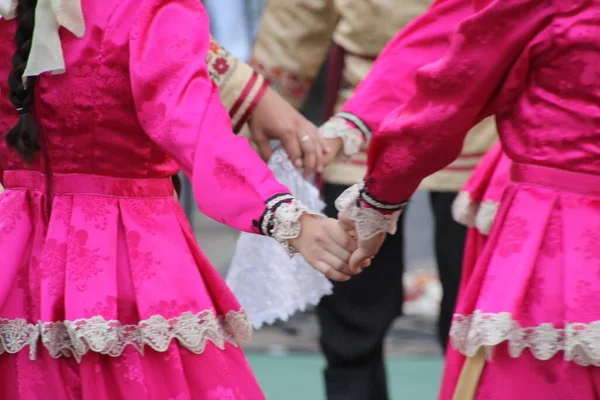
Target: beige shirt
<point x="293" y="43"/>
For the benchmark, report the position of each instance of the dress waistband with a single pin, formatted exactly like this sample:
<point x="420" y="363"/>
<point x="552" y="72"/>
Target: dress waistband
<point x="558" y="179"/>
<point x="71" y="184"/>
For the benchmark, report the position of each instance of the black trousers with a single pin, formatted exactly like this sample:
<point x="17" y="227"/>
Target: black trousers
<point x="356" y="318"/>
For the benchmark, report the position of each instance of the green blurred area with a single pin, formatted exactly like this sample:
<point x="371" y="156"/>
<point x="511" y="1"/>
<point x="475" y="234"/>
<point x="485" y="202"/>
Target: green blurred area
<point x="299" y="376"/>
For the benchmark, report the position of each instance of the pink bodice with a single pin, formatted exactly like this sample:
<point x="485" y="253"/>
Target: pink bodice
<point x="535" y="64"/>
<point x="137" y="102"/>
<point x="88" y="115"/>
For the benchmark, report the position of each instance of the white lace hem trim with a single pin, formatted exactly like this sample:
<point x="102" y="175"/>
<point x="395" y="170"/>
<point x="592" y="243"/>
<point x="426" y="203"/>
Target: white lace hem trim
<point x="471" y="213"/>
<point x="76" y="338"/>
<point x="369" y="221"/>
<point x="580" y="342"/>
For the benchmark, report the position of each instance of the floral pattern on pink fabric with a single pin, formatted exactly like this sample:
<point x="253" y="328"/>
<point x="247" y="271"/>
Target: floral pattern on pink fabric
<point x="84" y="263"/>
<point x="585" y="301"/>
<point x="54" y="259"/>
<point x="552" y="246"/>
<point x="220" y="393"/>
<point x="153" y="116"/>
<point x="73" y="386"/>
<point x="143" y="264"/>
<point x="173" y="356"/>
<point x="28" y="281"/>
<point x="534" y="295"/>
<point x="110" y="78"/>
<point x="223" y="365"/>
<point x="130" y="366"/>
<point x="97" y="210"/>
<point x="514" y="232"/>
<point x="179" y="397"/>
<point x="61" y="211"/>
<point x="228" y="175"/>
<point x="397" y="156"/>
<point x="30" y="378"/>
<point x="12" y="209"/>
<point x="106" y="309"/>
<point x="447" y="80"/>
<point x="168" y="309"/>
<point x="145" y="211"/>
<point x="591" y="244"/>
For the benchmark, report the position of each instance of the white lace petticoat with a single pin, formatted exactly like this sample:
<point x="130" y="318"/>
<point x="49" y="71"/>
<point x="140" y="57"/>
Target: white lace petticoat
<point x="78" y="337"/>
<point x="580" y="342"/>
<point x="268" y="283"/>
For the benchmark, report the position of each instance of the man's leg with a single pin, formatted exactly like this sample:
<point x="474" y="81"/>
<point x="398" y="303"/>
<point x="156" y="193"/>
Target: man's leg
<point x="355" y="319"/>
<point x="449" y="247"/>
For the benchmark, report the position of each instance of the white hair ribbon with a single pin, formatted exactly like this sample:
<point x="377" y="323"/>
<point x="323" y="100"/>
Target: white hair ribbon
<point x="46" y="53"/>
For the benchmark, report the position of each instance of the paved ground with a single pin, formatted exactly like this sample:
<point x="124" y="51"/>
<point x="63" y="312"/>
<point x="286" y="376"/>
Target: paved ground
<point x="299" y="377"/>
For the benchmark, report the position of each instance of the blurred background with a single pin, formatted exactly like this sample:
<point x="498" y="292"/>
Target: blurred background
<point x="286" y="356"/>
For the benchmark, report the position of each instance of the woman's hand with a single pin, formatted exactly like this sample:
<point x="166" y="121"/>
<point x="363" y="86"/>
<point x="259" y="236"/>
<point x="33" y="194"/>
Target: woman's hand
<point x="336" y="147"/>
<point x="275" y="119"/>
<point x="326" y="246"/>
<point x="366" y="249"/>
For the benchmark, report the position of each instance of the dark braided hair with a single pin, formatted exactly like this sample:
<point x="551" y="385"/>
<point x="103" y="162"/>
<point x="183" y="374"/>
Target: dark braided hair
<point x="24" y="136"/>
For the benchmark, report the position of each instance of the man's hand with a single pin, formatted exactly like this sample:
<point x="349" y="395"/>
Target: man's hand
<point x="275" y="119"/>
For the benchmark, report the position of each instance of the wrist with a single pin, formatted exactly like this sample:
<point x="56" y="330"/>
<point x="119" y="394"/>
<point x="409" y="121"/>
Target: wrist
<point x="371" y="216"/>
<point x="284" y="220"/>
<point x="335" y="145"/>
<point x="307" y="222"/>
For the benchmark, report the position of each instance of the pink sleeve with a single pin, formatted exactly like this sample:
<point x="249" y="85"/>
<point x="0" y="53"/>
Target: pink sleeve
<point x="427" y="133"/>
<point x="179" y="107"/>
<point x="391" y="82"/>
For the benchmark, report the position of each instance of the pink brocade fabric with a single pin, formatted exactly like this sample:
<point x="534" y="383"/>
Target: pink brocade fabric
<point x="98" y="260"/>
<point x="176" y="374"/>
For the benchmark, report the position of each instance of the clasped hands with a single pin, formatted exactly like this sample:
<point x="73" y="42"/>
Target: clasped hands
<point x="332" y="247"/>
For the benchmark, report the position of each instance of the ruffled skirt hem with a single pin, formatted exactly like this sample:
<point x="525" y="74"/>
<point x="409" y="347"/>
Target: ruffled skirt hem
<point x="96" y="334"/>
<point x="579" y="342"/>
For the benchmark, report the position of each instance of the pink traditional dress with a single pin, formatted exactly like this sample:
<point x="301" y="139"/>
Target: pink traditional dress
<point x="104" y="293"/>
<point x="527" y="320"/>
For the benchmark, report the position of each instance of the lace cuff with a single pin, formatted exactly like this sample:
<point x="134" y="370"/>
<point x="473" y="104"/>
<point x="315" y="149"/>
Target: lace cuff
<point x="351" y="129"/>
<point x="371" y="216"/>
<point x="281" y="220"/>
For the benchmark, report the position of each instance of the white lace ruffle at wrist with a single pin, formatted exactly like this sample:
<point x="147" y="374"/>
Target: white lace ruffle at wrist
<point x="281" y="220"/>
<point x="352" y="138"/>
<point x="369" y="221"/>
